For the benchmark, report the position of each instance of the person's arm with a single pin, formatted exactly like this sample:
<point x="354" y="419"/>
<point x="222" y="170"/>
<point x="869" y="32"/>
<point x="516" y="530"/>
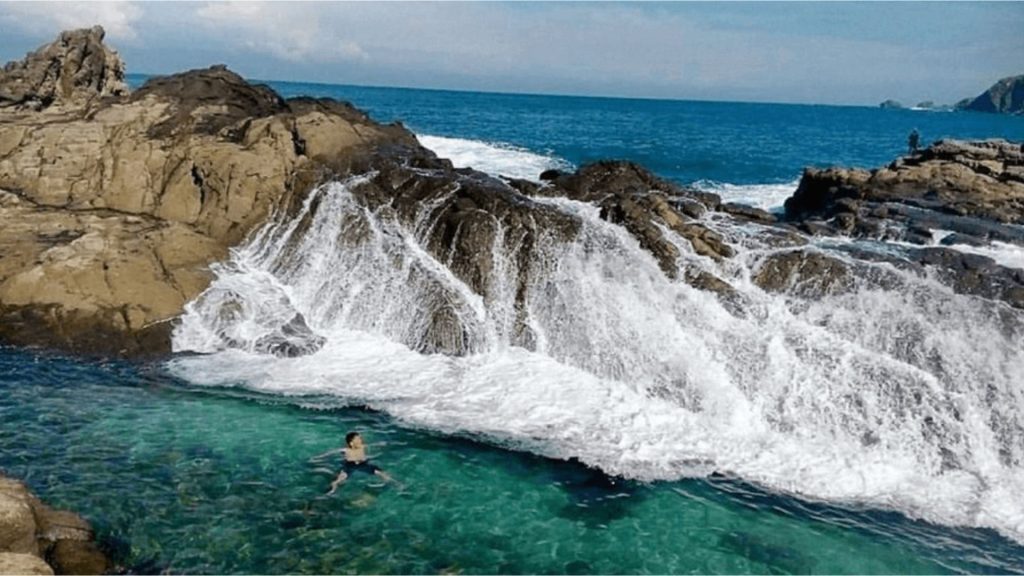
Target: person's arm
<point x="342" y="476"/>
<point x="326" y="454"/>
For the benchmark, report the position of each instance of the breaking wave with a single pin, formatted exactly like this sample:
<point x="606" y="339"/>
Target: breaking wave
<point x="497" y="159"/>
<point x="764" y="196"/>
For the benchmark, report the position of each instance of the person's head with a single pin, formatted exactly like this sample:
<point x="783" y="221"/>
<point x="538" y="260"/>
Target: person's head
<point x="352" y="439"/>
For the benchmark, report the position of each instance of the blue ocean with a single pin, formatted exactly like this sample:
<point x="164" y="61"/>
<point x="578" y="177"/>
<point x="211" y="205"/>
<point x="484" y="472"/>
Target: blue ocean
<point x="651" y="431"/>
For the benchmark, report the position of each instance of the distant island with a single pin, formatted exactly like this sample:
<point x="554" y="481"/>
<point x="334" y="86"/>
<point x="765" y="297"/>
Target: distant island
<point x="1004" y="97"/>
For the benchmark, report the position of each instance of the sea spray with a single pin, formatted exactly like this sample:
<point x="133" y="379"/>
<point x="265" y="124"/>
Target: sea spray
<point x="893" y="391"/>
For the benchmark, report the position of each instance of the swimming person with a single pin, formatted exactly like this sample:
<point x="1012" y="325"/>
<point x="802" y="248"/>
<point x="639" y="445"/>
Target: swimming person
<point x="355" y="460"/>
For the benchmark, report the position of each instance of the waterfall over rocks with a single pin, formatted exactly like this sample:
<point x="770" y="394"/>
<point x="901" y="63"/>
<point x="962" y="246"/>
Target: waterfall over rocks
<point x="823" y="367"/>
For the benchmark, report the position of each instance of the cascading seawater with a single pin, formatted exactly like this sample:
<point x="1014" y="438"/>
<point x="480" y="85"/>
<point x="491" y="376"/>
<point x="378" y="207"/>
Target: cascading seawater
<point x="896" y="393"/>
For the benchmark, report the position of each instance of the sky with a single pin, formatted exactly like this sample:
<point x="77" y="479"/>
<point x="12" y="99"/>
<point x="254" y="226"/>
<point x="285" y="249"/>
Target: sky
<point x="856" y="53"/>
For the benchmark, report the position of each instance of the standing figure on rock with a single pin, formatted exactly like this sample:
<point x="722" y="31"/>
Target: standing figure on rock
<point x="913" y="141"/>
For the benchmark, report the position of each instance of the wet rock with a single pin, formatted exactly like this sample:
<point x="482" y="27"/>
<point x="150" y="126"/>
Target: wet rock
<point x="691" y="208"/>
<point x="974" y="274"/>
<point x="644" y="204"/>
<point x="77" y="557"/>
<point x="747" y="212"/>
<point x="965" y="239"/>
<point x="294" y="338"/>
<point x="704" y="280"/>
<point x="804" y="273"/>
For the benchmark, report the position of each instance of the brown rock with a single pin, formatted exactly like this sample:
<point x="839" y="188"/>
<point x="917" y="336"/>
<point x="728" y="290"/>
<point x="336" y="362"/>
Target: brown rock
<point x="29" y="530"/>
<point x="77" y="557"/>
<point x="973" y="178"/>
<point x="747" y="212"/>
<point x="23" y="565"/>
<point x="74" y="70"/>
<point x="116" y="208"/>
<point x="17" y="521"/>
<point x="803" y="272"/>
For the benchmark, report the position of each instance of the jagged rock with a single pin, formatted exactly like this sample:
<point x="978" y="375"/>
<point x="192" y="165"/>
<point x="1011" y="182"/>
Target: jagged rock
<point x="819" y="189"/>
<point x="1006" y="96"/>
<point x="74" y="70"/>
<point x="974" y="274"/>
<point x="23" y="565"/>
<point x="980" y="179"/>
<point x="642" y="203"/>
<point x="114" y="208"/>
<point x="294" y="338"/>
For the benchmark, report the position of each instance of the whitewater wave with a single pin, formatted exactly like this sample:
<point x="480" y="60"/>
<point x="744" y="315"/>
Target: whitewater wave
<point x="878" y="396"/>
<point x="497" y="159"/>
<point x="764" y="196"/>
<point x="1003" y="253"/>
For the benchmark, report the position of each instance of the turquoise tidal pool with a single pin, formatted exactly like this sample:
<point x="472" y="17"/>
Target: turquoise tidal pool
<point x="185" y="480"/>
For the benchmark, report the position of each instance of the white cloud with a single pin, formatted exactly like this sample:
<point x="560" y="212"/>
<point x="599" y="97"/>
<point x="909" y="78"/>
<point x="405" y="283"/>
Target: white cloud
<point x="290" y="31"/>
<point x="50" y="18"/>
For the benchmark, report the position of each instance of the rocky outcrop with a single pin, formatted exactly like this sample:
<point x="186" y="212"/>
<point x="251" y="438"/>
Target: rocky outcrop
<point x="971" y="191"/>
<point x="74" y="70"/>
<point x="119" y="205"/>
<point x="115" y="206"/>
<point x="980" y="180"/>
<point x="1004" y="97"/>
<point x="642" y="203"/>
<point x="36" y="539"/>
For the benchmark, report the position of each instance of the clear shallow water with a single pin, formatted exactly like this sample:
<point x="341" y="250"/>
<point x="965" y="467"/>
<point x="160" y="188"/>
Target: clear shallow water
<point x="213" y="480"/>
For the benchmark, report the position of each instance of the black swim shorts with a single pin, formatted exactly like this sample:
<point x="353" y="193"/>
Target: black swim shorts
<point x="363" y="466"/>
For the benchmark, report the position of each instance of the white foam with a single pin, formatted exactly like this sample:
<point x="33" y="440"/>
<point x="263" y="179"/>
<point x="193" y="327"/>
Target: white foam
<point x="1004" y="254"/>
<point x="763" y="196"/>
<point x="879" y="396"/>
<point x="495" y="158"/>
